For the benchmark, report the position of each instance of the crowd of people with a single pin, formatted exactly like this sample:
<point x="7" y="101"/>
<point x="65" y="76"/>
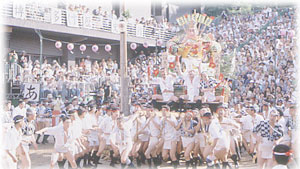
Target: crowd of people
<point x="259" y="116"/>
<point x="150" y="22"/>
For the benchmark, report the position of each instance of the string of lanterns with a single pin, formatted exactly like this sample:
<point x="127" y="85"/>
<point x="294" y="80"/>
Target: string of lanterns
<point x="95" y="47"/>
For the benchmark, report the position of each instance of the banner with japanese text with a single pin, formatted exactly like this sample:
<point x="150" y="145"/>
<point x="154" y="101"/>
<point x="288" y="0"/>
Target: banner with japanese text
<point x="19" y="9"/>
<point x="56" y="16"/>
<point x="72" y="19"/>
<point x="139" y="30"/>
<point x="31" y="91"/>
<point x="87" y="21"/>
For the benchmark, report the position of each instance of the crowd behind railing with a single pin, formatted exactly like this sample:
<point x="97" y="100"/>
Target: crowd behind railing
<point x="96" y="19"/>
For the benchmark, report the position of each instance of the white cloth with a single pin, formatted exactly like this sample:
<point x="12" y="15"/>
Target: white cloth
<point x="280" y="166"/>
<point x="19" y="111"/>
<point x="154" y="131"/>
<point x="192" y="86"/>
<point x="107" y="126"/>
<point x="266" y="148"/>
<point x="77" y="128"/>
<point x="216" y="132"/>
<point x="187" y="140"/>
<point x="122" y="137"/>
<point x="166" y="84"/>
<point x="89" y="121"/>
<point x="199" y="138"/>
<point x="169" y="132"/>
<point x="146" y="133"/>
<point x="58" y="133"/>
<point x="248" y="122"/>
<point x="12" y="140"/>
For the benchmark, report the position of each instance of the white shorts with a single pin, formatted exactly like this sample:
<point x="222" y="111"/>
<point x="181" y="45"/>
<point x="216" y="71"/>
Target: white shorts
<point x="64" y="148"/>
<point x="224" y="142"/>
<point x="93" y="139"/>
<point x="199" y="137"/>
<point x="167" y="96"/>
<point x="106" y="137"/>
<point x="167" y="143"/>
<point x="266" y="149"/>
<point x="25" y="147"/>
<point x="187" y="140"/>
<point x="210" y="96"/>
<point x="144" y="137"/>
<point x="153" y="141"/>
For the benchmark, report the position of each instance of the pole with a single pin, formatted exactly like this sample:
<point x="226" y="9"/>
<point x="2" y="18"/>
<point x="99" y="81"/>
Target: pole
<point x="41" y="50"/>
<point x="123" y="66"/>
<point x="41" y="44"/>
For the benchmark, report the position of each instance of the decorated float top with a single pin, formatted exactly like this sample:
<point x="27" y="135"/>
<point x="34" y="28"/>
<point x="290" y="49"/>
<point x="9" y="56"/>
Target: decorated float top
<point x="193" y="46"/>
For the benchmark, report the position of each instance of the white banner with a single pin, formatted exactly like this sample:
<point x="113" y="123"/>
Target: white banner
<point x="115" y="26"/>
<point x="19" y="10"/>
<point x="98" y="22"/>
<point x="72" y="19"/>
<point x="87" y="21"/>
<point x="31" y="91"/>
<point x="55" y="16"/>
<point x="139" y="30"/>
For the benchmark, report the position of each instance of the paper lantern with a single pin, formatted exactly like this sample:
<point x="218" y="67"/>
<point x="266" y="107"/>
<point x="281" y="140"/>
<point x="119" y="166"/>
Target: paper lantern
<point x="107" y="48"/>
<point x="145" y="44"/>
<point x="133" y="46"/>
<point x="159" y="42"/>
<point x="95" y="48"/>
<point x="70" y="46"/>
<point x="82" y="47"/>
<point x="58" y="44"/>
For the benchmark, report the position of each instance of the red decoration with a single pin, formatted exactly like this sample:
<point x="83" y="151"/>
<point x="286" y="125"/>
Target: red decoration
<point x="221" y="77"/>
<point x="155" y="72"/>
<point x="172" y="65"/>
<point x="195" y="46"/>
<point x="212" y="17"/>
<point x="211" y="63"/>
<point x="206" y="45"/>
<point x="223" y="91"/>
<point x="177" y="58"/>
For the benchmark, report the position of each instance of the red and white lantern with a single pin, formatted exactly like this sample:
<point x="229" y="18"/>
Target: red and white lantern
<point x="58" y="44"/>
<point x="133" y="46"/>
<point x="145" y="44"/>
<point x="82" y="48"/>
<point x="95" y="48"/>
<point x="107" y="48"/>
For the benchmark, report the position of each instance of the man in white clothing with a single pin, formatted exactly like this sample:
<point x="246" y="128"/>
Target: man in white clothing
<point x="20" y="109"/>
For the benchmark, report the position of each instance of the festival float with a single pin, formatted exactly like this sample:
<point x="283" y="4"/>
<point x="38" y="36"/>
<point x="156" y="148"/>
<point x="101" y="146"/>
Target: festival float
<point x="197" y="50"/>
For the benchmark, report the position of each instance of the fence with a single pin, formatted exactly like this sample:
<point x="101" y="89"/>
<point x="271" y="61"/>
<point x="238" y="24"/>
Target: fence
<point x="35" y="12"/>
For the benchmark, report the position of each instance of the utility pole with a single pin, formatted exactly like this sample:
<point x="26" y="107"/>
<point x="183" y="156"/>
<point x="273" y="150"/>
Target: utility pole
<point x="41" y="44"/>
<point x="123" y="63"/>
